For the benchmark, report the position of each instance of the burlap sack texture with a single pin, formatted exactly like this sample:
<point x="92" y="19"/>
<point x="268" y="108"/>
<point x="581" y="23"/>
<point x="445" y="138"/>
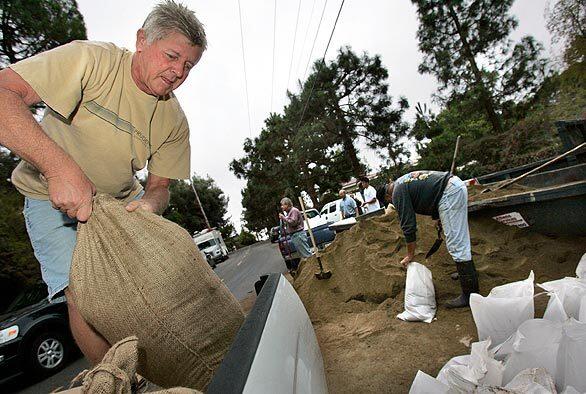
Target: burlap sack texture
<point x="136" y="273"/>
<point x="115" y="373"/>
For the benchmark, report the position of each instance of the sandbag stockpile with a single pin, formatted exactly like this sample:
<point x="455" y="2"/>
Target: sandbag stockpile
<point x="138" y="274"/>
<point x="365" y="347"/>
<point x="519" y="353"/>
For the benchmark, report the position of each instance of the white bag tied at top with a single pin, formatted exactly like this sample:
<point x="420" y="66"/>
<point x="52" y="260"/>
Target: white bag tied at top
<point x="498" y="315"/>
<point x="425" y="384"/>
<point x="419" y="294"/>
<point x="463" y="374"/>
<point x="555" y="309"/>
<point x="570" y="291"/>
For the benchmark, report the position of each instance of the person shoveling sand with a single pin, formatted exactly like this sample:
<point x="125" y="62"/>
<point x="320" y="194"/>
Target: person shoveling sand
<point x="365" y="348"/>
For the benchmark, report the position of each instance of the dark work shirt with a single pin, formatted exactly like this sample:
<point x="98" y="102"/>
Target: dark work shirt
<point x="418" y="192"/>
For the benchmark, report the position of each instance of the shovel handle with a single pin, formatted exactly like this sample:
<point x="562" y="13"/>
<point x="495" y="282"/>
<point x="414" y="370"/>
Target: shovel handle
<point x="511" y="181"/>
<point x="308" y="226"/>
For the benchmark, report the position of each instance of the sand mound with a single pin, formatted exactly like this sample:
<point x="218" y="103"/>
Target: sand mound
<point x="475" y="191"/>
<point x="365" y="348"/>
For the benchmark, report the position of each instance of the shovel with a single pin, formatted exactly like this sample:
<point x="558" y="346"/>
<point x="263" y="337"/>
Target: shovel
<point x="436" y="245"/>
<point x="321" y="274"/>
<point x="510" y="182"/>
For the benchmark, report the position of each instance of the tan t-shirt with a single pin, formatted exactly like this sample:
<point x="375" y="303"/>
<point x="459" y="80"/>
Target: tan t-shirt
<point x="98" y="115"/>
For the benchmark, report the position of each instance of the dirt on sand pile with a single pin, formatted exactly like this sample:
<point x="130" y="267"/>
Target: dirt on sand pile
<point x="366" y="349"/>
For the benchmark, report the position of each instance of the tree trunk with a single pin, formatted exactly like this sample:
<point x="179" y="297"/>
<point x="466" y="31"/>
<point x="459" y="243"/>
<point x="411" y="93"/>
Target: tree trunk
<point x="310" y="190"/>
<point x="351" y="154"/>
<point x="484" y="94"/>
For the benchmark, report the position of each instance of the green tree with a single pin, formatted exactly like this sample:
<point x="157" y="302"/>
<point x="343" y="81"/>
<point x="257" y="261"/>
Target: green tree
<point x="312" y="147"/>
<point x="28" y="27"/>
<point x="18" y="266"/>
<point x="246" y="238"/>
<point x="184" y="210"/>
<point x="566" y="20"/>
<point x="465" y="45"/>
<point x="350" y="102"/>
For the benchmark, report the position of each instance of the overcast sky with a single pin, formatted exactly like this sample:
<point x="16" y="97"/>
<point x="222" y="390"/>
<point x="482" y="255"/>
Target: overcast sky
<point x="214" y="95"/>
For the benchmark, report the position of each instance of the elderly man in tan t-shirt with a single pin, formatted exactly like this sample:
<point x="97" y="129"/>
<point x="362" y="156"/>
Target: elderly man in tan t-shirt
<point x="110" y="113"/>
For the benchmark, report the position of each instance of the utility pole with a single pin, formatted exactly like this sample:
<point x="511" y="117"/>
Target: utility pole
<point x="200" y="206"/>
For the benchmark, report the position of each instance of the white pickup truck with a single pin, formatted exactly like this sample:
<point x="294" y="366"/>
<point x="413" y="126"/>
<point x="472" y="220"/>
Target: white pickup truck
<point x="276" y="350"/>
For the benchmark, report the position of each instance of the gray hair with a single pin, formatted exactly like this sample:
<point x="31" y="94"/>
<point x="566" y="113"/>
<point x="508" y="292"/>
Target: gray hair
<point x="287" y="201"/>
<point x="168" y="17"/>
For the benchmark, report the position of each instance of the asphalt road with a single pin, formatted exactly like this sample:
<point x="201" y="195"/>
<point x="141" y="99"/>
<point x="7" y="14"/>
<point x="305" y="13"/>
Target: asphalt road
<point x="239" y="272"/>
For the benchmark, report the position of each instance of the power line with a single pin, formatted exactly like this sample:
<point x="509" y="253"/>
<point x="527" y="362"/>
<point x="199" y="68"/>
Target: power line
<point x="323" y="60"/>
<point x="294" y="40"/>
<point x="305" y="38"/>
<point x="315" y="38"/>
<point x="245" y="76"/>
<point x="274" y="41"/>
<point x="332" y="33"/>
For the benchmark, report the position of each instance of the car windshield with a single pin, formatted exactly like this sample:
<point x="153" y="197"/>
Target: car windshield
<point x="206" y="244"/>
<point x="23" y="299"/>
<point x="311" y="214"/>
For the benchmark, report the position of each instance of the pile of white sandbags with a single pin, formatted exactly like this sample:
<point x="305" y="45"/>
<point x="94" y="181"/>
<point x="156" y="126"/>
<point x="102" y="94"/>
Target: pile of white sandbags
<point x="518" y="353"/>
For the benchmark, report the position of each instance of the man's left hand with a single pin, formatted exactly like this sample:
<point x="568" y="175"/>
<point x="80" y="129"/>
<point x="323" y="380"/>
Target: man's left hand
<point x="140" y="204"/>
<point x="406" y="260"/>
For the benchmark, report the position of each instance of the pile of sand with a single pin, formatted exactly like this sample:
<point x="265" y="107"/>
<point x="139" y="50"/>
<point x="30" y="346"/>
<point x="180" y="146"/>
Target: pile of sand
<point x="366" y="349"/>
<point x="475" y="192"/>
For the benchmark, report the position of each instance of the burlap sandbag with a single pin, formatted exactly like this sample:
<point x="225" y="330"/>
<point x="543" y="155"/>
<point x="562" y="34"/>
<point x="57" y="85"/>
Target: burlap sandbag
<point x="116" y="373"/>
<point x="136" y="273"/>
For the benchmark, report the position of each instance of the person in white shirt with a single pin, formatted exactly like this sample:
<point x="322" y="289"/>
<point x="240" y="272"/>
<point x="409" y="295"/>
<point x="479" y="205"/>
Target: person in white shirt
<point x="370" y="201"/>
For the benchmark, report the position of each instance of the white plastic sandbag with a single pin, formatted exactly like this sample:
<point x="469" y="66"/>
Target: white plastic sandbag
<point x="570" y="390"/>
<point x="582" y="315"/>
<point x="425" y="384"/>
<point x="534" y="381"/>
<point x="419" y="294"/>
<point x="463" y="374"/>
<point x="555" y="309"/>
<point x="570" y="291"/>
<point x="498" y="315"/>
<point x="571" y="358"/>
<point x="581" y="268"/>
<point x="534" y="345"/>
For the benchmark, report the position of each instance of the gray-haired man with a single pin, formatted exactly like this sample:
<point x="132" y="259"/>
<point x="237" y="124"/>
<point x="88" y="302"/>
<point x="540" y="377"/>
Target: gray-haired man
<point x="109" y="112"/>
<point x="294" y="220"/>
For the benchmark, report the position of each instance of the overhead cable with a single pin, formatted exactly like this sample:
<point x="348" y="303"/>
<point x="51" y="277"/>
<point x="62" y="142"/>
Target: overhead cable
<point x="294" y="41"/>
<point x="244" y="66"/>
<point x="323" y="61"/>
<point x="274" y="41"/>
<point x="315" y="38"/>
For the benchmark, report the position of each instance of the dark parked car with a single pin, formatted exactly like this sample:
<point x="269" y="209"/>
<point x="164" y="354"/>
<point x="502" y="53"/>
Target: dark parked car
<point x="34" y="335"/>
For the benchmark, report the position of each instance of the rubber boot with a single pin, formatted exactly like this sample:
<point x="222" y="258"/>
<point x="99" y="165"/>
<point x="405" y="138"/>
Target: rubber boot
<point x="468" y="282"/>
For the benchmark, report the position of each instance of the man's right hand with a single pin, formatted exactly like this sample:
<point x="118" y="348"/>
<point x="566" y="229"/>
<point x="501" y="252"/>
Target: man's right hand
<point x="71" y="192"/>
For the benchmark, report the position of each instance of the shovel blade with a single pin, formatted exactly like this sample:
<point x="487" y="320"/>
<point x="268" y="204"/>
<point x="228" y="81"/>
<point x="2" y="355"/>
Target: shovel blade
<point x="323" y="275"/>
<point x="436" y="245"/>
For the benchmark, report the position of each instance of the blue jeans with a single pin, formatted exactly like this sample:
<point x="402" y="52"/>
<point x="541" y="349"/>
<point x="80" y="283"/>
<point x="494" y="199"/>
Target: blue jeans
<point x="53" y="235"/>
<point x="453" y="212"/>
<point x="299" y="239"/>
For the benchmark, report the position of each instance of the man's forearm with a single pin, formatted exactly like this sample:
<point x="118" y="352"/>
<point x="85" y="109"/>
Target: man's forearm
<point x="158" y="197"/>
<point x="411" y="248"/>
<point x="20" y="132"/>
